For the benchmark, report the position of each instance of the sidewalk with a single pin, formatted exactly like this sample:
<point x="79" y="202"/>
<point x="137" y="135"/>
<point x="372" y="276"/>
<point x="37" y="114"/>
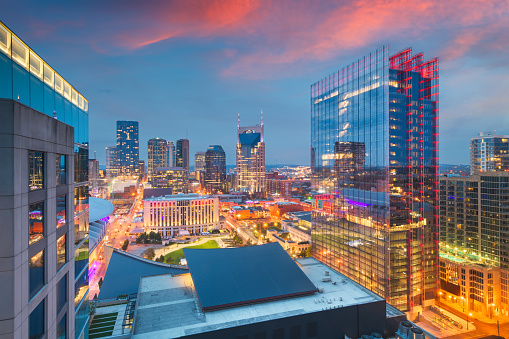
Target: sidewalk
<point x="476" y="315"/>
<point x="440" y="327"/>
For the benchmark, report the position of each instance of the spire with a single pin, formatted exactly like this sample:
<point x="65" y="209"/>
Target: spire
<point x="238" y="121"/>
<point x="262" y="116"/>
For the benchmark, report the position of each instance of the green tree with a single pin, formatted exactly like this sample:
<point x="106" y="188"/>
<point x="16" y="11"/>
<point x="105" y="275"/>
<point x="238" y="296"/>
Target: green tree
<point x="169" y="260"/>
<point x="150" y="254"/>
<point x="160" y="258"/>
<point x="125" y="245"/>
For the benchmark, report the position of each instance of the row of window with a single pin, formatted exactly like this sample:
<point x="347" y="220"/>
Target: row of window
<point x="36" y="170"/>
<point x="36" y="218"/>
<point x="37" y="325"/>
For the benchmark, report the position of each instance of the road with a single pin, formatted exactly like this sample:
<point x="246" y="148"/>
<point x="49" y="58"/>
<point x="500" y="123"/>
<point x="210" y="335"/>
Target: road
<point x="482" y="329"/>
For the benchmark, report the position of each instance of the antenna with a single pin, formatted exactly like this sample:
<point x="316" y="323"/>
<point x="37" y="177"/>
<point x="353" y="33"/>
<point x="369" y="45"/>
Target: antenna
<point x="262" y="116"/>
<point x="238" y="121"/>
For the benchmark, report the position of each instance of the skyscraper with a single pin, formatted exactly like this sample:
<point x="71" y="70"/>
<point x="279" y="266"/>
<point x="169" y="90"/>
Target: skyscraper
<point x="251" y="159"/>
<point x="199" y="161"/>
<point x="374" y="151"/>
<point x="182" y="154"/>
<point x="489" y="153"/>
<point x="111" y="161"/>
<point x="215" y="169"/>
<point x="44" y="212"/>
<point x="157" y="155"/>
<point x="128" y="147"/>
<point x="171" y="155"/>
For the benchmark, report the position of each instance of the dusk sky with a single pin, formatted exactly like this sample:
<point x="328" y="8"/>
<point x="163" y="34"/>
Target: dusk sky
<point x="189" y="67"/>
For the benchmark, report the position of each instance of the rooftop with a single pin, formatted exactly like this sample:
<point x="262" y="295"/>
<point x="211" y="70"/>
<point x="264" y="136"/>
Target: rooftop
<point x="180" y="196"/>
<point x="176" y="298"/>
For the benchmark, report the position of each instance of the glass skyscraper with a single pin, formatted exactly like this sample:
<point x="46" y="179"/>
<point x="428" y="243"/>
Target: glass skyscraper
<point x="52" y="217"/>
<point x="157" y="154"/>
<point x="128" y="147"/>
<point x="182" y="154"/>
<point x="374" y="160"/>
<point x="489" y="153"/>
<point x="215" y="169"/>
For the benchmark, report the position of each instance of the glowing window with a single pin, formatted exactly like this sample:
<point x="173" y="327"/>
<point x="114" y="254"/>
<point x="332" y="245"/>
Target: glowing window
<point x="36" y="65"/>
<point x="74" y="97"/>
<point x="49" y="76"/>
<point x="67" y="91"/>
<point x="86" y="106"/>
<point x="80" y="102"/>
<point x="5" y="41"/>
<point x="19" y="52"/>
<point x="59" y="84"/>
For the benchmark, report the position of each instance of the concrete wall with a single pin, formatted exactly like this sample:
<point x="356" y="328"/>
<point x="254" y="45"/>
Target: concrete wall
<point x="23" y="129"/>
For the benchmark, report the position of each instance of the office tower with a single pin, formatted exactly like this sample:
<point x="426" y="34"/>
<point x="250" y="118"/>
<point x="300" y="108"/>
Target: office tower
<point x="374" y="147"/>
<point x="474" y="250"/>
<point x="111" y="161"/>
<point x="199" y="161"/>
<point x="44" y="213"/>
<point x="170" y="215"/>
<point x="278" y="186"/>
<point x="93" y="173"/>
<point x="251" y="159"/>
<point x="141" y="168"/>
<point x="128" y="147"/>
<point x="171" y="155"/>
<point x="182" y="154"/>
<point x="157" y="155"/>
<point x="175" y="178"/>
<point x="215" y="169"/>
<point x="489" y="153"/>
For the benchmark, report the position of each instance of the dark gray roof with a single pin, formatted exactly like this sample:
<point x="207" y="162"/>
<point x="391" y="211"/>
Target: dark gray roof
<point x="234" y="276"/>
<point x="124" y="273"/>
<point x="157" y="192"/>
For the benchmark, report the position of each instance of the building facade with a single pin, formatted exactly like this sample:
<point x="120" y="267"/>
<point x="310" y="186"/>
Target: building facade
<point x="251" y="159"/>
<point x="474" y="250"/>
<point x="277" y="185"/>
<point x="182" y="154"/>
<point x="199" y="161"/>
<point x="128" y="147"/>
<point x="171" y="155"/>
<point x="45" y="214"/>
<point x="175" y="178"/>
<point x="489" y="153"/>
<point x="374" y="153"/>
<point x="111" y="162"/>
<point x="182" y="214"/>
<point x="157" y="153"/>
<point x="215" y="169"/>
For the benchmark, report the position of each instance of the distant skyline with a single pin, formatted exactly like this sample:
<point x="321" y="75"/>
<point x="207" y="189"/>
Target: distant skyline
<point x="186" y="68"/>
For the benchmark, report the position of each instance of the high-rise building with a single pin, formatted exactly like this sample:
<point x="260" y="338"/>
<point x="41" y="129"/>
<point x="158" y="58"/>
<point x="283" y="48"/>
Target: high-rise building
<point x="176" y="178"/>
<point x="215" y="169"/>
<point x="199" y="161"/>
<point x="251" y="159"/>
<point x="93" y="173"/>
<point x="157" y="155"/>
<point x="489" y="153"/>
<point x="182" y="154"/>
<point x="141" y="168"/>
<point x="111" y="161"/>
<point x="171" y="155"/>
<point x="44" y="211"/>
<point x="374" y="147"/>
<point x="128" y="147"/>
<point x="474" y="244"/>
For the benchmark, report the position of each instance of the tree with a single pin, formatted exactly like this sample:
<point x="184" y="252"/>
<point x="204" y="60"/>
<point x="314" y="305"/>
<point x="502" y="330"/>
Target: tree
<point x="124" y="246"/>
<point x="160" y="258"/>
<point x="169" y="260"/>
<point x="150" y="254"/>
<point x="100" y="283"/>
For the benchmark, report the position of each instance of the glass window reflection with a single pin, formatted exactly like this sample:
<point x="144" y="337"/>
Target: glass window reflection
<point x="36" y="322"/>
<point x="35" y="170"/>
<point x="61" y="210"/>
<point x="36" y="267"/>
<point x="36" y="222"/>
<point x="61" y="253"/>
<point x="61" y="170"/>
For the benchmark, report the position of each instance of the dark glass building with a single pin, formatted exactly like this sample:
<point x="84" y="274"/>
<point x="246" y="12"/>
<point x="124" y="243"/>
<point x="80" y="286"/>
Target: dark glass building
<point x="215" y="169"/>
<point x="374" y="154"/>
<point x="157" y="154"/>
<point x="128" y="147"/>
<point x="182" y="154"/>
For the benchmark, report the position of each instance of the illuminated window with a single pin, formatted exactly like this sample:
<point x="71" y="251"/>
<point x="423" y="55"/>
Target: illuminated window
<point x="36" y="273"/>
<point x="81" y="102"/>
<point x="74" y="97"/>
<point x="36" y="222"/>
<point x="59" y="84"/>
<point x="61" y="210"/>
<point x="5" y="41"/>
<point x="49" y="76"/>
<point x="35" y="170"/>
<point x="19" y="52"/>
<point x="61" y="257"/>
<point x="67" y="91"/>
<point x="36" y="65"/>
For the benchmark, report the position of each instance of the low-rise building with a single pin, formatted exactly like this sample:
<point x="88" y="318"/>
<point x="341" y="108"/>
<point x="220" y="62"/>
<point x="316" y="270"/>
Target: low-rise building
<point x="180" y="214"/>
<point x="171" y="177"/>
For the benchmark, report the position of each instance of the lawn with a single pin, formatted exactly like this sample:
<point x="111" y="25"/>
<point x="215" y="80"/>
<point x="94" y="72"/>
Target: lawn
<point x="176" y="255"/>
<point x="102" y="325"/>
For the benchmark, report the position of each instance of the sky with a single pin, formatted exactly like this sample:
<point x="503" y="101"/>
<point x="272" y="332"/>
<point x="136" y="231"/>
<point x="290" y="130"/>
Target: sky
<point x="186" y="68"/>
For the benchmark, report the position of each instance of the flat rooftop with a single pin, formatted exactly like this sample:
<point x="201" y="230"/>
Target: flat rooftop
<point x="168" y="306"/>
<point x="181" y="196"/>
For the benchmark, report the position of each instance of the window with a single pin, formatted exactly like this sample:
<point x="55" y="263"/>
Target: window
<point x="49" y="76"/>
<point x="35" y="170"/>
<point x="19" y="52"/>
<point x="59" y="84"/>
<point x="278" y="333"/>
<point x="61" y="210"/>
<point x="67" y="91"/>
<point x="80" y="258"/>
<point x="61" y="252"/>
<point x="61" y="170"/>
<point x="80" y="288"/>
<point x="61" y="293"/>
<point x="62" y="328"/>
<point x="36" y="65"/>
<point x="5" y="40"/>
<point x="36" y="322"/>
<point x="260" y="335"/>
<point x="36" y="222"/>
<point x="295" y="332"/>
<point x="36" y="267"/>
